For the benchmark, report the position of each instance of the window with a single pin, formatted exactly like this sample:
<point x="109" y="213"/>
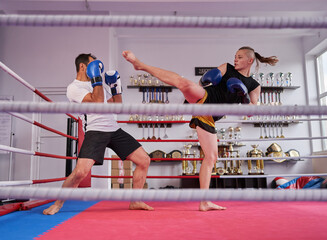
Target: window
<point x="322" y="78"/>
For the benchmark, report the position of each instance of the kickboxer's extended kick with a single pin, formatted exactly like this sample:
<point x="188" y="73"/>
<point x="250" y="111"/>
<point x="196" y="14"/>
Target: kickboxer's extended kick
<point x="224" y="84"/>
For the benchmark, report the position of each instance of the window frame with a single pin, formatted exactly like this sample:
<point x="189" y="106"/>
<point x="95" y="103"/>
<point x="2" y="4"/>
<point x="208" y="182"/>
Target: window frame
<point x="321" y="95"/>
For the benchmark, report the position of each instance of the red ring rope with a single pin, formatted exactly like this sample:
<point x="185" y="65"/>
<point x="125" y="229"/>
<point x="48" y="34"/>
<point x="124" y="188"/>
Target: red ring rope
<point x="53" y="155"/>
<point x="48" y="180"/>
<point x="184" y="176"/>
<point x="53" y="130"/>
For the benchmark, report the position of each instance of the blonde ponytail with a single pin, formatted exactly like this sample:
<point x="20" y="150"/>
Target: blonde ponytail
<point x="272" y="60"/>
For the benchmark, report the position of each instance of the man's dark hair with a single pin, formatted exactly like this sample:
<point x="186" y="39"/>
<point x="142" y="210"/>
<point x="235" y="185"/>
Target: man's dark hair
<point x="83" y="58"/>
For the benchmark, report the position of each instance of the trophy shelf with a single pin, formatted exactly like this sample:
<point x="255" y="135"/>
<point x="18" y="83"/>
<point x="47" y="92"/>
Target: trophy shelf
<point x="291" y="161"/>
<point x="142" y="124"/>
<point x="275" y="88"/>
<point x="170" y="140"/>
<point x="233" y="144"/>
<point x="285" y="123"/>
<point x="157" y="87"/>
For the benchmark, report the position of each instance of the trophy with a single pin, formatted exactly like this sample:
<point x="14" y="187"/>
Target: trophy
<point x="262" y="79"/>
<point x="237" y="134"/>
<point x="188" y="154"/>
<point x="279" y="79"/>
<point x="288" y="79"/>
<point x="222" y="132"/>
<point x="274" y="150"/>
<point x="131" y="79"/>
<point x="259" y="167"/>
<point x="185" y="168"/>
<point x="157" y="154"/>
<point x="232" y="167"/>
<point x="270" y="79"/>
<point x="230" y="133"/>
<point x="226" y="170"/>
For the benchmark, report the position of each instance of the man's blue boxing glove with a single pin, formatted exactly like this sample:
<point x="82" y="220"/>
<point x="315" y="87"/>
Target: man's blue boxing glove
<point x="235" y="85"/>
<point x="112" y="78"/>
<point x="211" y="77"/>
<point x="93" y="71"/>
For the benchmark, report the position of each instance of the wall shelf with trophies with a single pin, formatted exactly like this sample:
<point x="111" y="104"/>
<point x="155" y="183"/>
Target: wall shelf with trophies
<point x="276" y="123"/>
<point x="157" y="87"/>
<point x="156" y="124"/>
<point x="277" y="88"/>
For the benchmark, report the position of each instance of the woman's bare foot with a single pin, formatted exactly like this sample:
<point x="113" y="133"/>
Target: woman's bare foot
<point x="130" y="57"/>
<point x="53" y="209"/>
<point x="207" y="206"/>
<point x="140" y="206"/>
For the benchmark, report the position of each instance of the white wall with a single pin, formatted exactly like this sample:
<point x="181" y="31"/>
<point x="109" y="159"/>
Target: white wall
<point x="45" y="58"/>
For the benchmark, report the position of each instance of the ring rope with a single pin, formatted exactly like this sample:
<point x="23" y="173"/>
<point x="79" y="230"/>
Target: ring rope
<point x="163" y="109"/>
<point x="39" y="181"/>
<point x="296" y="120"/>
<point x="234" y="140"/>
<point x="24" y="118"/>
<point x="224" y="176"/>
<point x="163" y="194"/>
<point x="29" y="152"/>
<point x="22" y="151"/>
<point x="29" y="86"/>
<point x="30" y="182"/>
<point x="161" y="21"/>
<point x="259" y="121"/>
<point x="271" y="139"/>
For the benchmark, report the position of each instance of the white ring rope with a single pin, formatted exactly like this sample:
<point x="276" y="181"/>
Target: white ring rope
<point x="15" y="183"/>
<point x="260" y="121"/>
<point x="22" y="151"/>
<point x="275" y="175"/>
<point x="16" y="150"/>
<point x="161" y="21"/>
<point x="270" y="158"/>
<point x="164" y="195"/>
<point x="15" y="75"/>
<point x="270" y="139"/>
<point x="163" y="109"/>
<point x="22" y="117"/>
<point x="30" y="182"/>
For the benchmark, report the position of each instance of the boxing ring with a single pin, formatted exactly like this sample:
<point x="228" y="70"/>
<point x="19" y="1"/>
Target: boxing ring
<point x="103" y="214"/>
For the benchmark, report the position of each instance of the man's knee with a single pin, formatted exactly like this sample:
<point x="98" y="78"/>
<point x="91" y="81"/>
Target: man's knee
<point x="81" y="173"/>
<point x="140" y="158"/>
<point x="145" y="162"/>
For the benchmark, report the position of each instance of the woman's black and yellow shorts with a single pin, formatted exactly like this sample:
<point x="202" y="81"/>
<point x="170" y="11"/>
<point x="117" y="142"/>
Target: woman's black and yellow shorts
<point x="207" y="123"/>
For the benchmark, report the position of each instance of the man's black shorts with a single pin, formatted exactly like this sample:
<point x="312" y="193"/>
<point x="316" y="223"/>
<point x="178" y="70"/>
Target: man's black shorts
<point x="96" y="142"/>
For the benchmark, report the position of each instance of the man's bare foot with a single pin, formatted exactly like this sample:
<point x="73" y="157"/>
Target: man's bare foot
<point x="207" y="206"/>
<point x="130" y="57"/>
<point x="140" y="206"/>
<point x="53" y="209"/>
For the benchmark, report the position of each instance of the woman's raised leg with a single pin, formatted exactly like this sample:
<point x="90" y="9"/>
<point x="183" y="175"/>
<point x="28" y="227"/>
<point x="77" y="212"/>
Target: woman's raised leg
<point x="191" y="91"/>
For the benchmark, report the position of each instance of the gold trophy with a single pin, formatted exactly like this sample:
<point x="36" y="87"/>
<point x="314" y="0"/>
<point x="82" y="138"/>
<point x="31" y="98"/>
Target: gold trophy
<point x="195" y="171"/>
<point x="184" y="165"/>
<point x="259" y="167"/>
<point x="237" y="134"/>
<point x="238" y="164"/>
<point x="188" y="154"/>
<point x="225" y="163"/>
<point x="232" y="167"/>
